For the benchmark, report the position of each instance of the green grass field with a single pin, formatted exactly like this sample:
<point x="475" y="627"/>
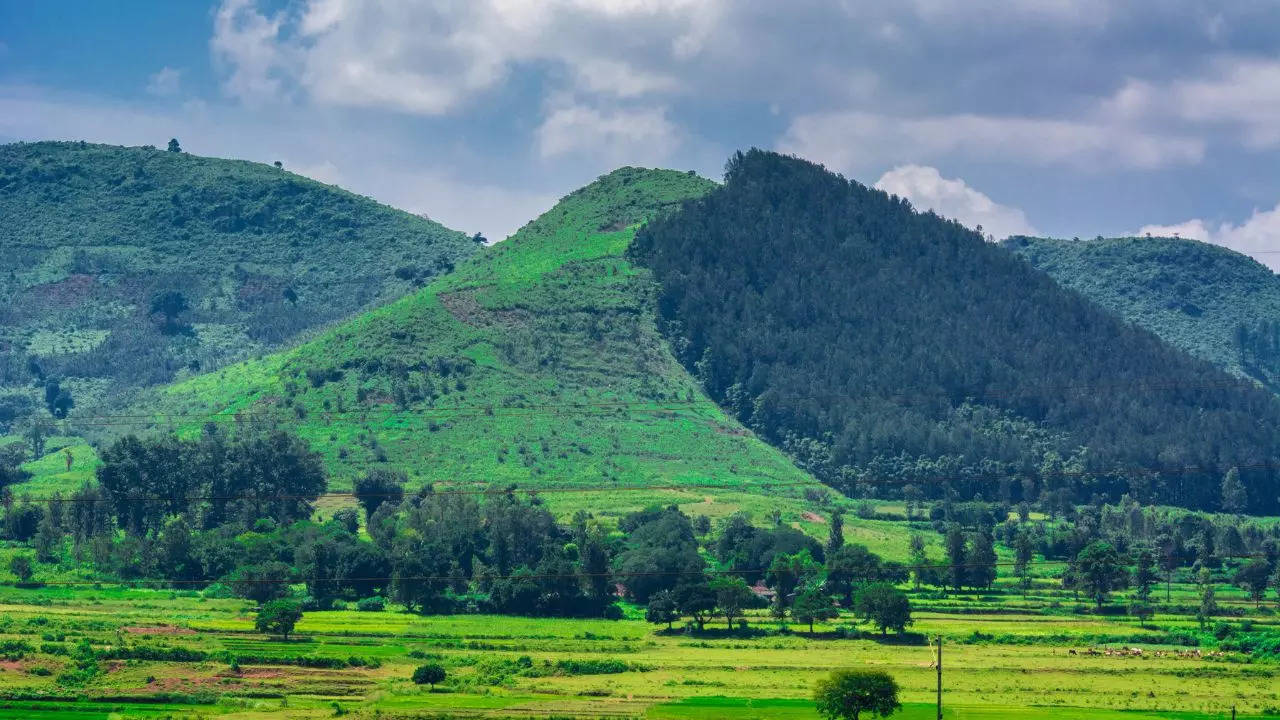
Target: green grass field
<point x="1017" y="666"/>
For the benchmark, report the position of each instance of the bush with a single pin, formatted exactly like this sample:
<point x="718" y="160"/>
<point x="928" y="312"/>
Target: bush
<point x="429" y="674"/>
<point x="371" y="604"/>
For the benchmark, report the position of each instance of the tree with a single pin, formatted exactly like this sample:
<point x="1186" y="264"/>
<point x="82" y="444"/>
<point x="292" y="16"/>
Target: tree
<point x="884" y="605"/>
<point x="1023" y="552"/>
<point x="1275" y="582"/>
<point x="697" y="600"/>
<point x="851" y="566"/>
<point x="956" y="555"/>
<point x="787" y="572"/>
<point x="174" y="147"/>
<point x="262" y="583"/>
<point x="846" y="694"/>
<point x="1235" y="499"/>
<point x="37" y="432"/>
<point x="278" y="617"/>
<point x="733" y="595"/>
<point x="169" y="305"/>
<point x="662" y="608"/>
<point x="57" y="399"/>
<point x="1098" y="571"/>
<point x="812" y="604"/>
<point x="835" y="536"/>
<point x="429" y="674"/>
<point x="919" y="560"/>
<point x="1208" y="601"/>
<point x="1143" y="578"/>
<point x="22" y="567"/>
<point x="379" y="486"/>
<point x="1170" y="549"/>
<point x="982" y="561"/>
<point x="1254" y="576"/>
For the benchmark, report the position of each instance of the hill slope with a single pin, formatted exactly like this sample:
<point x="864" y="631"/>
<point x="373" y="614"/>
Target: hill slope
<point x="538" y="362"/>
<point x="1215" y="303"/>
<point x="94" y="237"/>
<point x="882" y="346"/>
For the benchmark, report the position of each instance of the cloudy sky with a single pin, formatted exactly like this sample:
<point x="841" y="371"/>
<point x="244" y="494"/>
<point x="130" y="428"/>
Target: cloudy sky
<point x="1059" y="117"/>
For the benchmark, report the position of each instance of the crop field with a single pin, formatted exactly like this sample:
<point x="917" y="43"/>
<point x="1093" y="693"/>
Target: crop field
<point x="159" y="653"/>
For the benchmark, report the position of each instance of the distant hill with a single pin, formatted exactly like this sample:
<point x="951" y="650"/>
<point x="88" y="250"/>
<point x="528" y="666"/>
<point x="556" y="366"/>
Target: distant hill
<point x="126" y="267"/>
<point x="538" y="362"/>
<point x="882" y="347"/>
<point x="1213" y="302"/>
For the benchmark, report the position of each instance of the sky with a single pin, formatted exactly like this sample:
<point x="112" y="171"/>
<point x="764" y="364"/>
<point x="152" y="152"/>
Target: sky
<point x="1069" y="118"/>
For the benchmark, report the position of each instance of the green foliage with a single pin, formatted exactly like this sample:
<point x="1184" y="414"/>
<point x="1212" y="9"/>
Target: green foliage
<point x="278" y="617"/>
<point x="1213" y="302"/>
<point x="127" y="267"/>
<point x="846" y="694"/>
<point x="538" y="362"/>
<point x="882" y="346"/>
<point x="429" y="674"/>
<point x="884" y="605"/>
<point x="1099" y="571"/>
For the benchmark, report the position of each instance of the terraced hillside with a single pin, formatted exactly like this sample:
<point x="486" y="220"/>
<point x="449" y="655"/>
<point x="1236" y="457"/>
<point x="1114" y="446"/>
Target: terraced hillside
<point x="537" y="363"/>
<point x="1212" y="302"/>
<point x="126" y="267"/>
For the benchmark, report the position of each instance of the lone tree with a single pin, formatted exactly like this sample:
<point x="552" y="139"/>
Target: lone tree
<point x="884" y="605"/>
<point x="278" y="617"/>
<point x="429" y="674"/>
<point x="733" y="595"/>
<point x="174" y="146"/>
<point x="662" y="608"/>
<point x="1099" y="571"/>
<point x="846" y="694"/>
<point x="1253" y="577"/>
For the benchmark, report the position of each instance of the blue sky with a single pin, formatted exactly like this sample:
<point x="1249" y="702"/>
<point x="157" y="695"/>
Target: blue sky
<point x="1059" y="117"/>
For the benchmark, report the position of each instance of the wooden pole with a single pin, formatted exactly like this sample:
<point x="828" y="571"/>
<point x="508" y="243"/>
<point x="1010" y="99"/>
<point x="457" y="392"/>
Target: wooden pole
<point x="939" y="664"/>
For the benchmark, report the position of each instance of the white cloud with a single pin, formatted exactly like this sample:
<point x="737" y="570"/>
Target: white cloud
<point x="433" y="58"/>
<point x="1259" y="236"/>
<point x="620" y="135"/>
<point x="1244" y="92"/>
<point x="165" y="82"/>
<point x="927" y="189"/>
<point x="859" y="140"/>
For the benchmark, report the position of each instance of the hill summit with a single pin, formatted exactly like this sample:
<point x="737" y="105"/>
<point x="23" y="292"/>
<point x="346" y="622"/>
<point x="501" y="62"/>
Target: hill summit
<point x="883" y="347"/>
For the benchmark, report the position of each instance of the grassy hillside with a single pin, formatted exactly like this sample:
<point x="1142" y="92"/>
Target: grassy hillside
<point x="886" y="347"/>
<point x="94" y="235"/>
<point x="1205" y="299"/>
<point x="538" y="363"/>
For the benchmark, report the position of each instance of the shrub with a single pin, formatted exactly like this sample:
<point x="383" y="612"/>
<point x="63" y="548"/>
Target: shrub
<point x="371" y="604"/>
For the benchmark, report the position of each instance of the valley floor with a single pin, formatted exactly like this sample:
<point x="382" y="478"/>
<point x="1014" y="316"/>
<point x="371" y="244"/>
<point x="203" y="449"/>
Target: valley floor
<point x="1005" y="657"/>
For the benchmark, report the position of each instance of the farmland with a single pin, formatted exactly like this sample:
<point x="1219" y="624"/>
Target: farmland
<point x="1001" y="653"/>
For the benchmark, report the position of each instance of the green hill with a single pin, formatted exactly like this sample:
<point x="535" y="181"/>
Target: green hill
<point x="1214" y="303"/>
<point x="101" y="241"/>
<point x="537" y="362"/>
<point x="888" y="348"/>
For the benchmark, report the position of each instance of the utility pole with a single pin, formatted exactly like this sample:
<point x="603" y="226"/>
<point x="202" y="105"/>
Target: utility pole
<point x="939" y="664"/>
<point x="1233" y="712"/>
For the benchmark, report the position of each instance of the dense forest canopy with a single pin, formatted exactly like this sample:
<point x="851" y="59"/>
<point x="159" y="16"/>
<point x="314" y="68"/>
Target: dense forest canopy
<point x="125" y="267"/>
<point x="1215" y="303"/>
<point x="887" y="348"/>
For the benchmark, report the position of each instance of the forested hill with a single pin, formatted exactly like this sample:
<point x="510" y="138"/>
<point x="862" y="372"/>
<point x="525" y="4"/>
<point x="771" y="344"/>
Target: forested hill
<point x="537" y="362"/>
<point x="1213" y="302"/>
<point x="127" y="266"/>
<point x="882" y="346"/>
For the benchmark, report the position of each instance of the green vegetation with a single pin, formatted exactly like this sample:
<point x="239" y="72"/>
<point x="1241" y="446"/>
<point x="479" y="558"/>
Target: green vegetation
<point x="893" y="352"/>
<point x="128" y="267"/>
<point x="1212" y="302"/>
<point x="536" y="363"/>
